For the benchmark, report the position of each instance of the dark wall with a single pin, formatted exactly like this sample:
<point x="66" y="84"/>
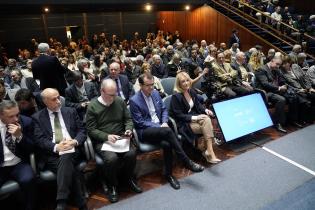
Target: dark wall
<point x="303" y="7"/>
<point x="16" y="31"/>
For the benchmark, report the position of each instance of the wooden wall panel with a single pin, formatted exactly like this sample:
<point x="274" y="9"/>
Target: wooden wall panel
<point x="206" y="23"/>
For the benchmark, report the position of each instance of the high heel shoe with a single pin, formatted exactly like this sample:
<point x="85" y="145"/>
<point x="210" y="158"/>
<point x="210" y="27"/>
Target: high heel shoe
<point x="209" y="159"/>
<point x="215" y="160"/>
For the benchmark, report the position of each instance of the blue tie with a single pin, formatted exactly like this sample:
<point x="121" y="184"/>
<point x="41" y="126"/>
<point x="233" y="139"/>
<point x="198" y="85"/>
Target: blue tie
<point x="118" y="89"/>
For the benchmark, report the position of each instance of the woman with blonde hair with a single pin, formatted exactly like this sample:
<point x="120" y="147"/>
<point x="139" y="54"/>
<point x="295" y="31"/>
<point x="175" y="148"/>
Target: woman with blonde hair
<point x="192" y="118"/>
<point x="254" y="62"/>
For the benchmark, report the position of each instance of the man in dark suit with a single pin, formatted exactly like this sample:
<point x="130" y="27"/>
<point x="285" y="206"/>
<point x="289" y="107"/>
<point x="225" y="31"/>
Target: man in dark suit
<point x="27" y="102"/>
<point x="150" y="118"/>
<point x="234" y="38"/>
<point x="19" y="81"/>
<point x="270" y="79"/>
<point x="48" y="70"/>
<point x="80" y="93"/>
<point x="124" y="87"/>
<point x="58" y="135"/>
<point x="15" y="146"/>
<point x="244" y="76"/>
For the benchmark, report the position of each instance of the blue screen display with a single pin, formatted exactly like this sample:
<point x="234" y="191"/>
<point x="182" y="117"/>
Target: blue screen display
<point x="241" y="116"/>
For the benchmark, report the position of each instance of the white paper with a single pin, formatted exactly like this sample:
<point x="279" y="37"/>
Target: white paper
<point x="67" y="151"/>
<point x="121" y="145"/>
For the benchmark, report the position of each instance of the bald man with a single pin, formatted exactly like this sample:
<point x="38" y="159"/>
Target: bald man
<point x="58" y="135"/>
<point x="124" y="87"/>
<point x="107" y="120"/>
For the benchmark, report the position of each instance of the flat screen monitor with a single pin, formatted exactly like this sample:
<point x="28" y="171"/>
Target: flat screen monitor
<point x="240" y="116"/>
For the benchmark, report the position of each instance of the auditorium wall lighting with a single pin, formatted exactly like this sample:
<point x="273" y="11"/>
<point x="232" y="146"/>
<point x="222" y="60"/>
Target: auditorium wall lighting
<point x="148" y="7"/>
<point x="187" y="7"/>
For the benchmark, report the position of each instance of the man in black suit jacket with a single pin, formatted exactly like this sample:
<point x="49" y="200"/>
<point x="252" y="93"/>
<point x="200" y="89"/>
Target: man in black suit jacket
<point x="80" y="93"/>
<point x="15" y="146"/>
<point x="58" y="130"/>
<point x="124" y="87"/>
<point x="270" y="79"/>
<point x="19" y="81"/>
<point x="234" y="38"/>
<point x="48" y="70"/>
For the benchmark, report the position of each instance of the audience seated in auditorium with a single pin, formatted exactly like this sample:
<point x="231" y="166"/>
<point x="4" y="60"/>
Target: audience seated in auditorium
<point x="108" y="120"/>
<point x="270" y="79"/>
<point x="299" y="83"/>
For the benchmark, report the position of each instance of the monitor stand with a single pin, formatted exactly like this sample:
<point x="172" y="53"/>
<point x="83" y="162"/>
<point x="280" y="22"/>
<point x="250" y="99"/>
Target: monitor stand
<point x="247" y="142"/>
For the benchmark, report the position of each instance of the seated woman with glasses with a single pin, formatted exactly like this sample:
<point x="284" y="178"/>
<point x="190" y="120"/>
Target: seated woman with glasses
<point x="192" y="118"/>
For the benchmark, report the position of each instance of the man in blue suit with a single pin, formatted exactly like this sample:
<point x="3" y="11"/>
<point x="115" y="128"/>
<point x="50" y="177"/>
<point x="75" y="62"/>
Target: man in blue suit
<point x="15" y="146"/>
<point x="124" y="87"/>
<point x="150" y="119"/>
<point x="58" y="134"/>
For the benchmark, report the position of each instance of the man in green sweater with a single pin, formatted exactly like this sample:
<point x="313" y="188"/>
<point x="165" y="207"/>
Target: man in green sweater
<point x="108" y="120"/>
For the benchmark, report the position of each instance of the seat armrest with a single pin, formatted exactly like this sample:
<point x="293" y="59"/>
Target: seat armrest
<point x="87" y="151"/>
<point x="136" y="138"/>
<point x="90" y="147"/>
<point x="33" y="163"/>
<point x="172" y="121"/>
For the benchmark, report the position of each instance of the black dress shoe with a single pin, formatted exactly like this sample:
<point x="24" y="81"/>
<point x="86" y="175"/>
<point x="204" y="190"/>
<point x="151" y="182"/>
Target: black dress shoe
<point x="134" y="186"/>
<point x="280" y="128"/>
<point x="194" y="167"/>
<point x="112" y="194"/>
<point x="173" y="182"/>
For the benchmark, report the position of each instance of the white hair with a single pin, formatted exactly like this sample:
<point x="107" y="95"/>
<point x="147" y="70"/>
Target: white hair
<point x="43" y="47"/>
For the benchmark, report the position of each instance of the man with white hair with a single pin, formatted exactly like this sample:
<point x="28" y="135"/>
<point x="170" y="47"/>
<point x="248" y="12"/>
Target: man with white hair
<point x="295" y="51"/>
<point x="48" y="70"/>
<point x="158" y="68"/>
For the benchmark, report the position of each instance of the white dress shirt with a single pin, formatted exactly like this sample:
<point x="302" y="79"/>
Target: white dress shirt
<point x="9" y="158"/>
<point x="64" y="130"/>
<point x="150" y="105"/>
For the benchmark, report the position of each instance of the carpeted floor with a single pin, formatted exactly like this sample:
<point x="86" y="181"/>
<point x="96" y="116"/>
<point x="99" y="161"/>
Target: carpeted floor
<point x="253" y="180"/>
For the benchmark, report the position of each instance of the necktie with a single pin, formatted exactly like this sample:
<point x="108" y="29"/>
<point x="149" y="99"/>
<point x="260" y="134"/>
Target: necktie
<point x="9" y="142"/>
<point x="58" y="131"/>
<point x="118" y="89"/>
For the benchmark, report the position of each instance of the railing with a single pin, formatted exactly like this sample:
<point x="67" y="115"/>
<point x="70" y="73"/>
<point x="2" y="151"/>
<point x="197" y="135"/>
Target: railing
<point x="283" y="32"/>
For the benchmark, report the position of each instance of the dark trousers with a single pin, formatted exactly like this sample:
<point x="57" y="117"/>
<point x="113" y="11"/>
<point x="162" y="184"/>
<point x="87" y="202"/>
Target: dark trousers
<point x="67" y="176"/>
<point x="118" y="165"/>
<point x="279" y="102"/>
<point x="23" y="174"/>
<point x="234" y="90"/>
<point x="166" y="138"/>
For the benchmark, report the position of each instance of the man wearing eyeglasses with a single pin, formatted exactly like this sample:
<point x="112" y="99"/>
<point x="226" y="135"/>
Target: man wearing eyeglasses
<point x="150" y="118"/>
<point x="108" y="121"/>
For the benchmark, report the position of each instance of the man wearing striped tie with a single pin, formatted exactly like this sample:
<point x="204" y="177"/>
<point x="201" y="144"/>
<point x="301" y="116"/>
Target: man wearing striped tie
<point x="15" y="146"/>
